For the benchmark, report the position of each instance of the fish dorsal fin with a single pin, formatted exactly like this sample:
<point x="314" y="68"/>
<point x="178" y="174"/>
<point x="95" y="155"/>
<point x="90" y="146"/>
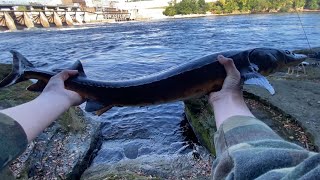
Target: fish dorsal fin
<point x="99" y="108"/>
<point x="37" y="87"/>
<point x="78" y="66"/>
<point x="254" y="78"/>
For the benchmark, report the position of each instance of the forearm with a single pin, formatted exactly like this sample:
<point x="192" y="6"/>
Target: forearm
<point x="38" y="114"/>
<point x="227" y="104"/>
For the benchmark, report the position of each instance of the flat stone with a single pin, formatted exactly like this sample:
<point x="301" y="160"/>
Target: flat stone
<point x="293" y="97"/>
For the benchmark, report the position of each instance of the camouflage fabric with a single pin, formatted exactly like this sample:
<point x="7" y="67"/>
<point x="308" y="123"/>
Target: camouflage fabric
<point x="248" y="149"/>
<point x="13" y="140"/>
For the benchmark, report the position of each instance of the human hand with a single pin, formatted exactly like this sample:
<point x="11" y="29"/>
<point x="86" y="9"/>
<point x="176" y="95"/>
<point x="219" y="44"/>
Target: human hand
<point x="56" y="88"/>
<point x="229" y="96"/>
<point x="231" y="83"/>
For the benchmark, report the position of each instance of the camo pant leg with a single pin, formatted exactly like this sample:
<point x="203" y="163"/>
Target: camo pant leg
<point x="13" y="140"/>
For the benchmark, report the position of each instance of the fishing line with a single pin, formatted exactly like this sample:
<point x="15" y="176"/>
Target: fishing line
<point x="305" y="34"/>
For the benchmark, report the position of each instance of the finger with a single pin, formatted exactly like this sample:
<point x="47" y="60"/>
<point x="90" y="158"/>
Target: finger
<point x="228" y="65"/>
<point x="65" y="74"/>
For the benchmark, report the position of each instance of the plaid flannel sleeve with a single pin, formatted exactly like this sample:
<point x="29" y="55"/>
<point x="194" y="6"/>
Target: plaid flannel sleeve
<point x="249" y="149"/>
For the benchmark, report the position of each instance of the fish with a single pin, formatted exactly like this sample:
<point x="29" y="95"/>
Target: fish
<point x="192" y="79"/>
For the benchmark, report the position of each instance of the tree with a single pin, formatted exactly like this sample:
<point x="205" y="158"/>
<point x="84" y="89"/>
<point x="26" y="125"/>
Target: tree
<point x="297" y="4"/>
<point x="312" y="4"/>
<point x="230" y="6"/>
<point x="170" y="11"/>
<point x="258" y="5"/>
<point x="203" y="6"/>
<point x="184" y="7"/>
<point x="243" y="5"/>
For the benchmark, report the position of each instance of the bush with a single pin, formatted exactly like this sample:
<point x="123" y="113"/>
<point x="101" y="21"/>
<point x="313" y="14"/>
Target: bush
<point x="170" y="11"/>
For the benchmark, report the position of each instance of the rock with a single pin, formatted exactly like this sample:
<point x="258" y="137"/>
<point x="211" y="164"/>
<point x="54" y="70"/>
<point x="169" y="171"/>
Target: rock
<point x="201" y="119"/>
<point x="153" y="166"/>
<point x="285" y="100"/>
<point x="63" y="150"/>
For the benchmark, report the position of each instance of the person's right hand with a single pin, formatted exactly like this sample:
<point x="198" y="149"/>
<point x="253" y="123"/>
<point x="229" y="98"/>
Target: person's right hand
<point x="229" y="101"/>
<point x="231" y="83"/>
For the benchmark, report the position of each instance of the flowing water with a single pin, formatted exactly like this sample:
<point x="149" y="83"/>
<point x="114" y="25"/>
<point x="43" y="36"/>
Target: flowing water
<point x="127" y="50"/>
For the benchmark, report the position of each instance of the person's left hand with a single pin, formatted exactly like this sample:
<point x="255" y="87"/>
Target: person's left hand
<point x="56" y="88"/>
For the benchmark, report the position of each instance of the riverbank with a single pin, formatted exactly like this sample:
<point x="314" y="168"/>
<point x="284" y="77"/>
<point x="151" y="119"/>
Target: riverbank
<point x="154" y="15"/>
<point x="63" y="150"/>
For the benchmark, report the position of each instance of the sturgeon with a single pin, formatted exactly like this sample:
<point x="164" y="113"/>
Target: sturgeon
<point x="190" y="80"/>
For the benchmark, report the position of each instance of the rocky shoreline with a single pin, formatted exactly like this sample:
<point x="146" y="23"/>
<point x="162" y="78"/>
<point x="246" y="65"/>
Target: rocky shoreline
<point x="67" y="147"/>
<point x="64" y="150"/>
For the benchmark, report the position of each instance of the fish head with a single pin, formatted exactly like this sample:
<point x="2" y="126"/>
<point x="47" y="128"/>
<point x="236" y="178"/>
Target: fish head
<point x="293" y="59"/>
<point x="272" y="60"/>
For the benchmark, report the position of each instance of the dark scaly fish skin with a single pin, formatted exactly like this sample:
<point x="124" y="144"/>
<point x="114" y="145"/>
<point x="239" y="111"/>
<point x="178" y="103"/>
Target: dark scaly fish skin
<point x="190" y="80"/>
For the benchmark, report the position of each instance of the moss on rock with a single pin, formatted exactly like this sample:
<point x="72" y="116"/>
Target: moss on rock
<point x="201" y="119"/>
<point x="13" y="95"/>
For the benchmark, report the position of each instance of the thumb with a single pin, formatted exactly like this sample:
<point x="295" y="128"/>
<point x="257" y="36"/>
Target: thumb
<point x="65" y="74"/>
<point x="228" y="66"/>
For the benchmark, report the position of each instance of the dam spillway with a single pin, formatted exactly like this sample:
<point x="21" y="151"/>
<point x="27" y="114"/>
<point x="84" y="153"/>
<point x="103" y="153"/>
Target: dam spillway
<point x="13" y="18"/>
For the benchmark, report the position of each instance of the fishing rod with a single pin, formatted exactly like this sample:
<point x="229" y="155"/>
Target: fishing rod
<point x="305" y="34"/>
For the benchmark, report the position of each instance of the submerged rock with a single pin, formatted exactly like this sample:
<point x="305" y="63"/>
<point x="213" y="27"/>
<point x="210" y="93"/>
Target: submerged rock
<point x="63" y="150"/>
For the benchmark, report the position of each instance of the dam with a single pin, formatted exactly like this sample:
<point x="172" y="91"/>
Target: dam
<point x="15" y="16"/>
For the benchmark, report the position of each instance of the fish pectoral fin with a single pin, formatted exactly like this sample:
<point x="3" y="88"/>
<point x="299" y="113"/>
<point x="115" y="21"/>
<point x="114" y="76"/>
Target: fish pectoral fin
<point x="254" y="78"/>
<point x="37" y="87"/>
<point x="99" y="108"/>
<point x="93" y="106"/>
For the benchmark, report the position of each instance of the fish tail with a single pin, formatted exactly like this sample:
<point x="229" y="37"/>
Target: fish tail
<point x="19" y="65"/>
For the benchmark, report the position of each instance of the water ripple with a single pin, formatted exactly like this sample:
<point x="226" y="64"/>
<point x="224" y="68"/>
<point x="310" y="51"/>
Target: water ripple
<point x="129" y="50"/>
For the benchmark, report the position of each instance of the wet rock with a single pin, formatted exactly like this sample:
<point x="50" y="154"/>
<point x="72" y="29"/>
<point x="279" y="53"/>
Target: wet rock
<point x="63" y="150"/>
<point x="131" y="150"/>
<point x="111" y="155"/>
<point x="154" y="166"/>
<point x="201" y="119"/>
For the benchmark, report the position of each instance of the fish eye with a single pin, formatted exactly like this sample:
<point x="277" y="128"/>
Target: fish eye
<point x="287" y="52"/>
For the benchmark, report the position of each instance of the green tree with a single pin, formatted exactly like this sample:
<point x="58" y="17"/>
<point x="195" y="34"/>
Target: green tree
<point x="243" y="5"/>
<point x="312" y="4"/>
<point x="297" y="4"/>
<point x="170" y="11"/>
<point x="184" y="7"/>
<point x="203" y="6"/>
<point x="215" y="8"/>
<point x="258" y="5"/>
<point x="230" y="6"/>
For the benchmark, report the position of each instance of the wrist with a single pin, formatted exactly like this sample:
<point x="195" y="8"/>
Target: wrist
<point x="223" y="95"/>
<point x="55" y="99"/>
<point x="228" y="103"/>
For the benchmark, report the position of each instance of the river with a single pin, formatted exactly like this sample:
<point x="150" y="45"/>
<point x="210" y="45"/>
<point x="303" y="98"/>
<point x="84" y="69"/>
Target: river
<point x="134" y="49"/>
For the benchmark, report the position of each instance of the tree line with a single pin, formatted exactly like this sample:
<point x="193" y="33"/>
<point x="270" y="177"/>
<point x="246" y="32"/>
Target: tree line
<point x="239" y="6"/>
